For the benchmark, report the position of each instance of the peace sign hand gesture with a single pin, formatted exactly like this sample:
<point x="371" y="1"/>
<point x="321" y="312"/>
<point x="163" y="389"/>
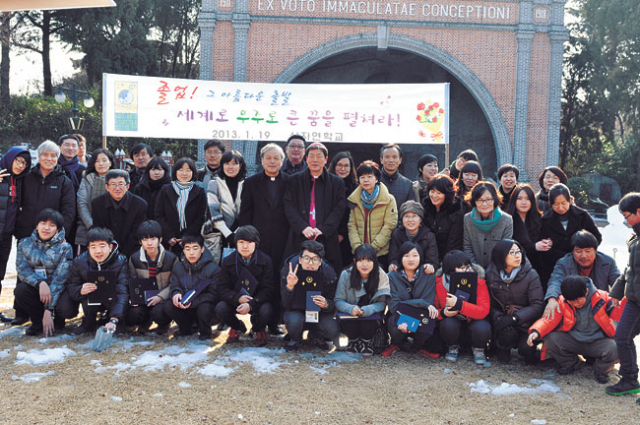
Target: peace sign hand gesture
<point x="292" y="277"/>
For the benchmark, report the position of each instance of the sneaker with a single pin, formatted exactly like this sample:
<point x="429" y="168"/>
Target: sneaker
<point x="429" y="354"/>
<point x="5" y="319"/>
<point x="452" y="354"/>
<point x="623" y="387"/>
<point x="234" y="336"/>
<point x="260" y="338"/>
<point x="83" y="329"/>
<point x="291" y="346"/>
<point x="19" y="321"/>
<point x="387" y="352"/>
<point x="353" y="346"/>
<point x="33" y="330"/>
<point x="162" y="329"/>
<point x="365" y="348"/>
<point x="276" y="330"/>
<point x="478" y="356"/>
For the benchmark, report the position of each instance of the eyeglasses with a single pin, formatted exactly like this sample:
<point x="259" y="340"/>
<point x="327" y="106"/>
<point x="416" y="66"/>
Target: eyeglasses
<point x="215" y="153"/>
<point x="295" y="147"/>
<point x="311" y="260"/>
<point x="343" y="166"/>
<point x="20" y="161"/>
<point x="485" y="201"/>
<point x="515" y="253"/>
<point x="117" y="186"/>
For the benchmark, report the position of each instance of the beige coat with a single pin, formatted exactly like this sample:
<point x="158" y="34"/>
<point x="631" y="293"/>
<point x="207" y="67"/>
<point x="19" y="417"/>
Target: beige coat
<point x="382" y="220"/>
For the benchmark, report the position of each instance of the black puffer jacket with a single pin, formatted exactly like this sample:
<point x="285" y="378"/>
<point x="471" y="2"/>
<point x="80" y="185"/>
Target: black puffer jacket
<point x="116" y="262"/>
<point x="447" y="224"/>
<point x="523" y="297"/>
<point x="54" y="191"/>
<point x="185" y="276"/>
<point x="260" y="267"/>
<point x="629" y="282"/>
<point x="10" y="199"/>
<point x="425" y="239"/>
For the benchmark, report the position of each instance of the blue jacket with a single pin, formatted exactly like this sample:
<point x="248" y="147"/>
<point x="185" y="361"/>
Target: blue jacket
<point x="54" y="256"/>
<point x="10" y="199"/>
<point x="604" y="273"/>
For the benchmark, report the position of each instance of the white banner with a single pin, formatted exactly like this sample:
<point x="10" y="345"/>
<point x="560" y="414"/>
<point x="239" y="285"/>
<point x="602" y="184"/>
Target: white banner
<point x="195" y="109"/>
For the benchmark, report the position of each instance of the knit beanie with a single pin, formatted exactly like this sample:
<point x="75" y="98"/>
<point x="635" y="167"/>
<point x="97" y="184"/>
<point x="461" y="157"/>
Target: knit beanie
<point x="413" y="207"/>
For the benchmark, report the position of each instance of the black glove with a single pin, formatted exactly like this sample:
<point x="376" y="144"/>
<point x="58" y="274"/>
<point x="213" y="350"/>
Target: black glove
<point x="505" y="321"/>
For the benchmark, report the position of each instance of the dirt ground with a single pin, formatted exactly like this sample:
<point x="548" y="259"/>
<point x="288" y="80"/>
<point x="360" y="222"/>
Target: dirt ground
<point x="306" y="389"/>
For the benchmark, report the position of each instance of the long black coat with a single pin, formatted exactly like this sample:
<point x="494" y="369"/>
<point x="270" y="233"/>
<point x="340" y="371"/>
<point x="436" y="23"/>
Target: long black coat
<point x="330" y="205"/>
<point x="150" y="193"/>
<point x="55" y="191"/>
<point x="167" y="213"/>
<point x="528" y="234"/>
<point x="579" y="219"/>
<point x="270" y="220"/>
<point x="260" y="267"/>
<point x="447" y="224"/>
<point x="123" y="222"/>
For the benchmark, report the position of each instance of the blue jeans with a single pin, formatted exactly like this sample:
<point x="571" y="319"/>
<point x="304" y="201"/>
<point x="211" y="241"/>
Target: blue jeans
<point x="327" y="325"/>
<point x="628" y="328"/>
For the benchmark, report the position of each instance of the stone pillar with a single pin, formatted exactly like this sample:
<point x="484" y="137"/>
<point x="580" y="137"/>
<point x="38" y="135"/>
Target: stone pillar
<point x="524" y="36"/>
<point x="207" y="24"/>
<point x="557" y="36"/>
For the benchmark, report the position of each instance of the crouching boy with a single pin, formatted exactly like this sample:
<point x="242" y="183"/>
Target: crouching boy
<point x="43" y="266"/>
<point x="154" y="263"/>
<point x="99" y="281"/>
<point x="584" y="326"/>
<point x="246" y="287"/>
<point x="193" y="288"/>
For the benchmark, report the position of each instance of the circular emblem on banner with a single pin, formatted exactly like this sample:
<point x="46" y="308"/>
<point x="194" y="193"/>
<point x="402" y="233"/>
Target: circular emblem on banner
<point x="125" y="97"/>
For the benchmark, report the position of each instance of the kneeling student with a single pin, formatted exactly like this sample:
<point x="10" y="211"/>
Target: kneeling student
<point x="246" y="287"/>
<point x="325" y="328"/>
<point x="100" y="282"/>
<point x="584" y="326"/>
<point x="43" y="266"/>
<point x="151" y="262"/>
<point x="193" y="288"/>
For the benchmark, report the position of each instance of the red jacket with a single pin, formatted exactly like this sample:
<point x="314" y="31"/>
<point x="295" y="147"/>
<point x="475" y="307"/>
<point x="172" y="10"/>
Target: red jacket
<point x="603" y="313"/>
<point x="477" y="311"/>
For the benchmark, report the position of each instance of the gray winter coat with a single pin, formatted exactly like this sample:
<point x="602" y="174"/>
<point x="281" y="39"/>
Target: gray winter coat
<point x="55" y="256"/>
<point x="629" y="282"/>
<point x="479" y="244"/>
<point x="347" y="297"/>
<point x="91" y="187"/>
<point x="604" y="273"/>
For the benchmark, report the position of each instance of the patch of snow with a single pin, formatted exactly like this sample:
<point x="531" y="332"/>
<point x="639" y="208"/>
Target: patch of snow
<point x="37" y="357"/>
<point x="240" y="416"/>
<point x="156" y="360"/>
<point x="12" y="332"/>
<point x="133" y="342"/>
<point x="216" y="369"/>
<point x="263" y="360"/>
<point x="32" y="377"/>
<point x="539" y="387"/>
<point x="58" y="338"/>
<point x="116" y="398"/>
<point x="538" y="421"/>
<point x="118" y="367"/>
<point x="447" y="371"/>
<point x="158" y="395"/>
<point x="184" y="384"/>
<point x="4" y="353"/>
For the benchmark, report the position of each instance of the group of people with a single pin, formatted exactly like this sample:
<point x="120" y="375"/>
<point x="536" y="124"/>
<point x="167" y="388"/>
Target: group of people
<point x="359" y="250"/>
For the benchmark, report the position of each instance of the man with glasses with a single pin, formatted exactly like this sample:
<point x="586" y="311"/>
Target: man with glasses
<point x="628" y="284"/>
<point x="295" y="154"/>
<point x="69" y="161"/>
<point x="326" y="329"/>
<point x="213" y="151"/>
<point x="583" y="260"/>
<point x="119" y="211"/>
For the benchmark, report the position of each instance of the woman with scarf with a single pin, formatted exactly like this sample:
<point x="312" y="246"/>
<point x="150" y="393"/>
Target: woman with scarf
<point x="224" y="195"/>
<point x="412" y="287"/>
<point x="156" y="175"/>
<point x="91" y="186"/>
<point x="517" y="300"/>
<point x="342" y="165"/>
<point x="486" y="224"/>
<point x="181" y="206"/>
<point x="374" y="214"/>
<point x="14" y="165"/>
<point x="363" y="292"/>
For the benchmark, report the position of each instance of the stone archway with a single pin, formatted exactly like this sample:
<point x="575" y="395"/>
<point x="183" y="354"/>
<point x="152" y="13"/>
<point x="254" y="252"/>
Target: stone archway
<point x="502" y="141"/>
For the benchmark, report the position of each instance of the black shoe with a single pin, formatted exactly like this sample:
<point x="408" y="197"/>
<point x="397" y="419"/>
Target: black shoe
<point x="33" y="330"/>
<point x="162" y="329"/>
<point x="205" y="337"/>
<point x="5" y="319"/>
<point x="276" y="330"/>
<point x="504" y="356"/>
<point x="83" y="329"/>
<point x="291" y="346"/>
<point x="601" y="377"/>
<point x="623" y="387"/>
<point x="181" y="334"/>
<point x="19" y="321"/>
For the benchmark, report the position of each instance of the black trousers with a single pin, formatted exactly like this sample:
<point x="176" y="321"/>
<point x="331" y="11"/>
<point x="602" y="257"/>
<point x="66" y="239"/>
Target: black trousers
<point x="141" y="314"/>
<point x="515" y="336"/>
<point x="91" y="312"/>
<point x="358" y="328"/>
<point x="226" y="313"/>
<point x="202" y="314"/>
<point x="28" y="299"/>
<point x="5" y="252"/>
<point x="420" y="340"/>
<point x="454" y="331"/>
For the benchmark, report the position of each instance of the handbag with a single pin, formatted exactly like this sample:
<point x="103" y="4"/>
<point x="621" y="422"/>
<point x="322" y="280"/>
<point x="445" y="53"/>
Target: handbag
<point x="212" y="241"/>
<point x="380" y="339"/>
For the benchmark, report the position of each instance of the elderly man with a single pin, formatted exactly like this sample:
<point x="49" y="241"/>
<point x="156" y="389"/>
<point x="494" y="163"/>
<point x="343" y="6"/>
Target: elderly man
<point x="141" y="155"/>
<point x="263" y="207"/>
<point x="295" y="154"/>
<point x="583" y="260"/>
<point x="399" y="186"/>
<point x="119" y="211"/>
<point x="69" y="161"/>
<point x="314" y="202"/>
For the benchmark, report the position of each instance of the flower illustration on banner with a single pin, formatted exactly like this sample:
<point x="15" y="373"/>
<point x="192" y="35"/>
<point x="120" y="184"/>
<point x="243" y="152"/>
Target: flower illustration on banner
<point x="431" y="117"/>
